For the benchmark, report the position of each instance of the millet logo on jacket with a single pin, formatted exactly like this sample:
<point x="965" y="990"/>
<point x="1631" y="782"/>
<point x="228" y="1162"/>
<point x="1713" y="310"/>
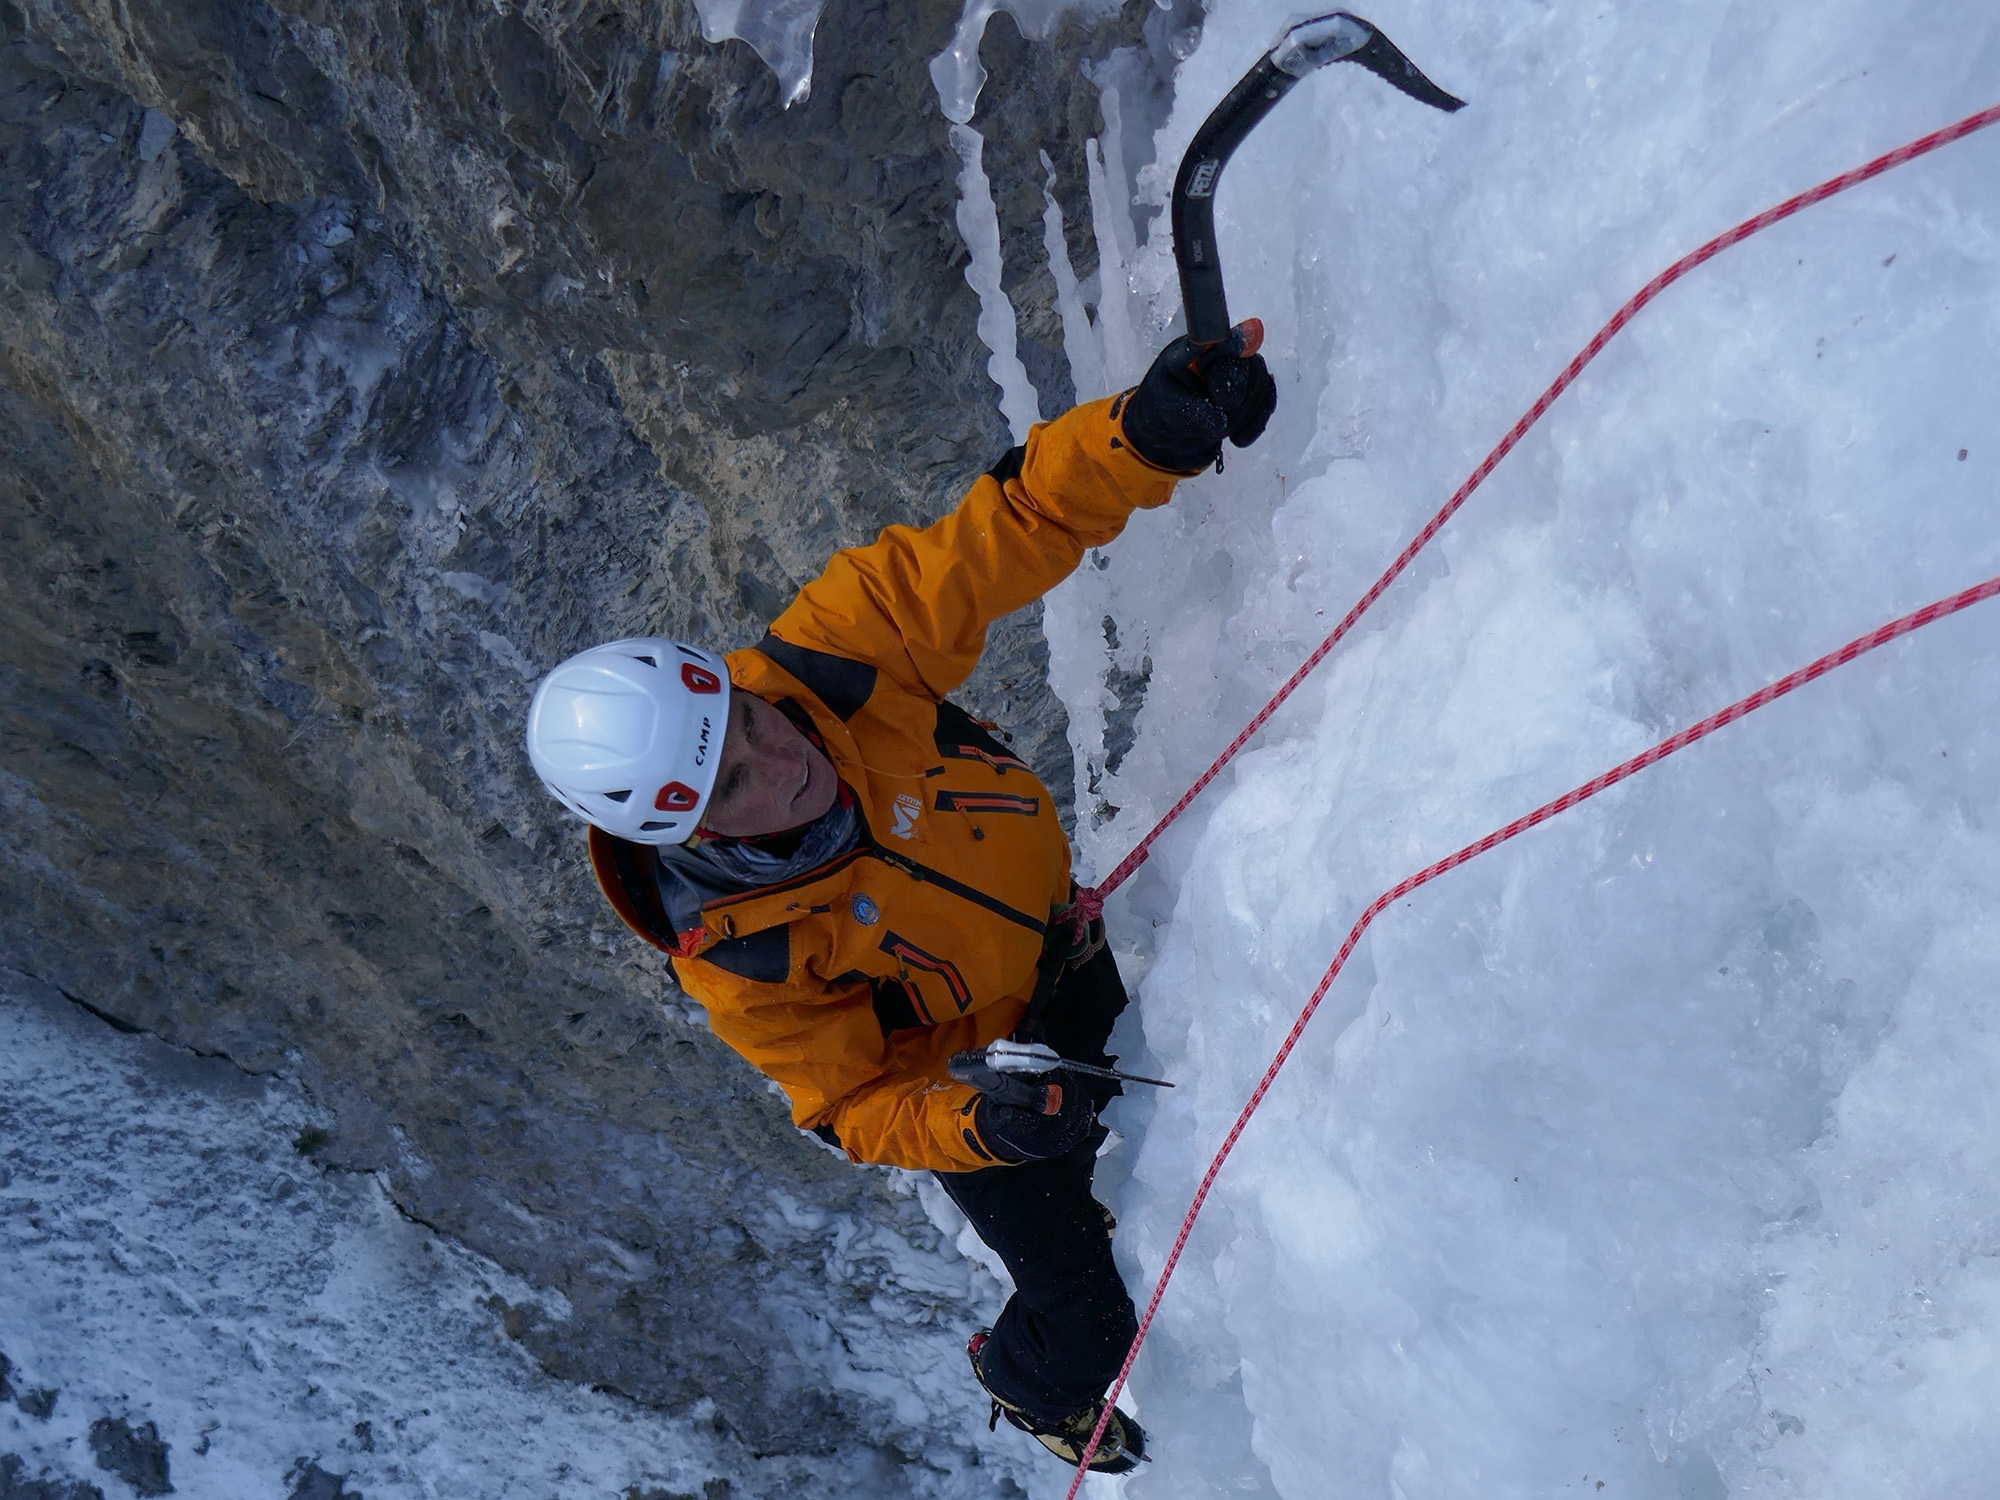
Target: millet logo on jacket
<point x="907" y="808"/>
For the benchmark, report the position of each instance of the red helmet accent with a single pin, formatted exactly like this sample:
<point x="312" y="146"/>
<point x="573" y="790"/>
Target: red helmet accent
<point x="699" y="679"/>
<point x="676" y="797"/>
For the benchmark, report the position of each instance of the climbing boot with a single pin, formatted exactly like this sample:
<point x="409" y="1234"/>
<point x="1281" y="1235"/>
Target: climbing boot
<point x="1120" y="1450"/>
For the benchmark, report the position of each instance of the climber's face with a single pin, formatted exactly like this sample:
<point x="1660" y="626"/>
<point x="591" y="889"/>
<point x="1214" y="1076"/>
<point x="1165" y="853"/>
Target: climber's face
<point x="770" y="778"/>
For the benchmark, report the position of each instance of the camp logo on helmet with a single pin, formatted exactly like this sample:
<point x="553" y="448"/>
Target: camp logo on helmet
<point x="701" y="745"/>
<point x="677" y="797"/>
<point x="699" y="679"/>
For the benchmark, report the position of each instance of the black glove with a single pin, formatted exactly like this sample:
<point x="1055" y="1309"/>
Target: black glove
<point x="1021" y="1131"/>
<point x="1191" y="399"/>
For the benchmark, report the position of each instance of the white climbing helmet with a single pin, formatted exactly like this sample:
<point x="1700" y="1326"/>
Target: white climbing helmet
<point x="628" y="736"/>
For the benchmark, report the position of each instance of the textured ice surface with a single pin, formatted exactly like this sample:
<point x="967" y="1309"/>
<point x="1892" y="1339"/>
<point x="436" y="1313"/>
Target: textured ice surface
<point x="1660" y="1149"/>
<point x="958" y="72"/>
<point x="780" y="31"/>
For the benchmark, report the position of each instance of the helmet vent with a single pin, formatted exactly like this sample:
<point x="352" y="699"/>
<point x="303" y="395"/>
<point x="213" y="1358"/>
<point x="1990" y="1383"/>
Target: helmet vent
<point x="619" y="796"/>
<point x="647" y="660"/>
<point x="653" y="827"/>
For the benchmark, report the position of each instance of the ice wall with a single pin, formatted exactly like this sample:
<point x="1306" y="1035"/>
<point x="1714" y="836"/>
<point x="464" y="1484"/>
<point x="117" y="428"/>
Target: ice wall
<point x="1654" y="1154"/>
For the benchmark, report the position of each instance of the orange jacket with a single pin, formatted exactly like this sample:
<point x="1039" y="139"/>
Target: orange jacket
<point x="852" y="984"/>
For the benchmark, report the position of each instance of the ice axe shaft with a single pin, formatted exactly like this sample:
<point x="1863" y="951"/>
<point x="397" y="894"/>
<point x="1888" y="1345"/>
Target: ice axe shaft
<point x="1016" y="1058"/>
<point x="1305" y="47"/>
<point x="1096" y="1072"/>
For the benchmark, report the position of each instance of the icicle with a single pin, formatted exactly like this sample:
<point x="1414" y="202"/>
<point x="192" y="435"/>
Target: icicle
<point x="979" y="223"/>
<point x="1111" y="221"/>
<point x="779" y="31"/>
<point x="957" y="71"/>
<point x="1080" y="340"/>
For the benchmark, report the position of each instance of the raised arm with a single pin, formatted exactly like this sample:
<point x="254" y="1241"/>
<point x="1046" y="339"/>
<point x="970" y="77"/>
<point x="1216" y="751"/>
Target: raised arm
<point x="916" y="604"/>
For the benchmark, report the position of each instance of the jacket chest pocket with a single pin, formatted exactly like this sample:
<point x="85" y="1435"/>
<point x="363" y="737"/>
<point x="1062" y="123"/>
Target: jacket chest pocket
<point x="934" y="947"/>
<point x="925" y="973"/>
<point x="916" y="984"/>
<point x="922" y="989"/>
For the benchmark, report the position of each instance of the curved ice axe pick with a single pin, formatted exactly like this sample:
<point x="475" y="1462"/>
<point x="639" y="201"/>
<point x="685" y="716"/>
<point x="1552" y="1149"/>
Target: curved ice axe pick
<point x="1306" y="46"/>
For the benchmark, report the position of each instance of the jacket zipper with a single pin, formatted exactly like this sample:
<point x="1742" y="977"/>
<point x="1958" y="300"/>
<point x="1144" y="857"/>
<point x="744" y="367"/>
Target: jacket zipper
<point x="925" y="875"/>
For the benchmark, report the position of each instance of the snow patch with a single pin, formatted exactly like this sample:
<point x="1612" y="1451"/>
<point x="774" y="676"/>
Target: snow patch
<point x="174" y="1256"/>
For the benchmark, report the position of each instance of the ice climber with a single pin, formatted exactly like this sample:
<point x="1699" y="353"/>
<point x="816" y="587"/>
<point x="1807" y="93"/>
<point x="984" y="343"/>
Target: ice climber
<point x="857" y="879"/>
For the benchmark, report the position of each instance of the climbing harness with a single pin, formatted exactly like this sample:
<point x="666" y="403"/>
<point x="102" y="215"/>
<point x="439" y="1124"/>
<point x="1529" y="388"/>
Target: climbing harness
<point x="1090" y="902"/>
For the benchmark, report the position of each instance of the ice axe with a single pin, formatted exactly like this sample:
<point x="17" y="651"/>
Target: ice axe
<point x="1305" y="46"/>
<point x="1001" y="1071"/>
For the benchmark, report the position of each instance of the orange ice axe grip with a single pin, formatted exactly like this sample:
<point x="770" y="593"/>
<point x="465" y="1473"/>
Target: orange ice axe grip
<point x="1244" y="340"/>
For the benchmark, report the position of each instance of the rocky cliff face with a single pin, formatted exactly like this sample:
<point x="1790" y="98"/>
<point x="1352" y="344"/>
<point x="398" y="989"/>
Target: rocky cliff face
<point x="362" y="360"/>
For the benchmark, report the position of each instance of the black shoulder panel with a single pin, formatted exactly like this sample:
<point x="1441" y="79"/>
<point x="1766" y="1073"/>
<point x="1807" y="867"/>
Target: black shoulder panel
<point x="842" y="685"/>
<point x="958" y="730"/>
<point x="763" y="957"/>
<point x="893" y="1010"/>
<point x="1009" y="466"/>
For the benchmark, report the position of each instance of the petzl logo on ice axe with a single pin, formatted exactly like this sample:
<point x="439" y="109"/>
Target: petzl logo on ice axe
<point x="1305" y="47"/>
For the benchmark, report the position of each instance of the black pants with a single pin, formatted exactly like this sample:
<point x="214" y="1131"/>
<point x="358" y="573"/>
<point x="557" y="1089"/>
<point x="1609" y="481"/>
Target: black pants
<point x="1063" y="1334"/>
